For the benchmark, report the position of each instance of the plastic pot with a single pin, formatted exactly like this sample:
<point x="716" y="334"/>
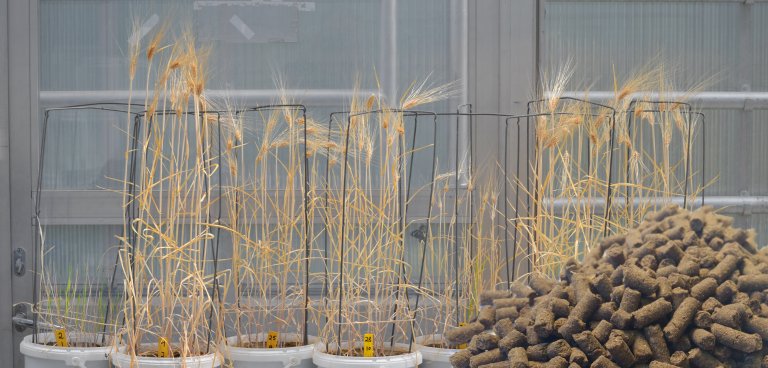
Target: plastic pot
<point x="434" y="357"/>
<point x="39" y="355"/>
<point x="324" y="360"/>
<point x="298" y="356"/>
<point x="122" y="360"/>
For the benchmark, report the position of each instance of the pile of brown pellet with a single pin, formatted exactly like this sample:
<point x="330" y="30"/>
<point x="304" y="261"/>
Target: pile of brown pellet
<point x="683" y="289"/>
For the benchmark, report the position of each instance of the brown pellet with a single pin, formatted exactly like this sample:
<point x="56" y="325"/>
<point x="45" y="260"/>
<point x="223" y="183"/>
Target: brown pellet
<point x="724" y="268"/>
<point x="537" y="352"/>
<point x="461" y="335"/>
<point x="603" y="362"/>
<point x="704" y="289"/>
<point x="482" y="342"/>
<point x="749" y="283"/>
<point x="736" y="339"/>
<point x="602" y="331"/>
<point x="487" y="316"/>
<point x="518" y="303"/>
<point x="503" y="327"/>
<point x="640" y="280"/>
<point x="641" y="349"/>
<point x="630" y="301"/>
<point x="560" y="307"/>
<point x="508" y="312"/>
<point x="658" y="364"/>
<point x="577" y="356"/>
<point x="731" y="315"/>
<point x="680" y="359"/>
<point x="460" y="359"/>
<point x="589" y="345"/>
<point x="501" y="364"/>
<point x="518" y="358"/>
<point x="688" y="266"/>
<point x="488" y="296"/>
<point x="557" y="362"/>
<point x="512" y="340"/>
<point x="585" y="307"/>
<point x="559" y="348"/>
<point x="622" y="319"/>
<point x="571" y="327"/>
<point x="703" y="319"/>
<point x="544" y="323"/>
<point x="488" y="357"/>
<point x="651" y="313"/>
<point x="541" y="284"/>
<point x="726" y="291"/>
<point x="758" y="325"/>
<point x="703" y="339"/>
<point x="620" y="352"/>
<point x="702" y="359"/>
<point x="658" y="345"/>
<point x="681" y="318"/>
<point x="521" y="290"/>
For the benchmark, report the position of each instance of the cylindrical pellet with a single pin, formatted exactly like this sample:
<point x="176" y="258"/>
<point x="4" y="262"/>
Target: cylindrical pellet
<point x="488" y="296"/>
<point x="724" y="268"/>
<point x="704" y="289"/>
<point x="589" y="345"/>
<point x="602" y="331"/>
<point x="482" y="342"/>
<point x="503" y="327"/>
<point x="652" y="313"/>
<point x="731" y="315"/>
<point x="679" y="359"/>
<point x="703" y="319"/>
<point x="688" y="266"/>
<point x="508" y="312"/>
<point x="544" y="323"/>
<point x="517" y="358"/>
<point x="541" y="284"/>
<point x="513" y="339"/>
<point x="603" y="362"/>
<point x="704" y="339"/>
<point x="559" y="348"/>
<point x="585" y="307"/>
<point x="537" y="352"/>
<point x="560" y="307"/>
<point x="641" y="349"/>
<point x="749" y="283"/>
<point x="487" y="316"/>
<point x="518" y="303"/>
<point x="681" y="318"/>
<point x="488" y="357"/>
<point x="736" y="339"/>
<point x="571" y="327"/>
<point x="658" y="364"/>
<point x="460" y="359"/>
<point x="725" y="292"/>
<point x="577" y="356"/>
<point x="702" y="359"/>
<point x="758" y="325"/>
<point x="630" y="301"/>
<point x="622" y="319"/>
<point x="521" y="290"/>
<point x="639" y="280"/>
<point x="658" y="344"/>
<point x="620" y="352"/>
<point x="461" y="335"/>
<point x="557" y="362"/>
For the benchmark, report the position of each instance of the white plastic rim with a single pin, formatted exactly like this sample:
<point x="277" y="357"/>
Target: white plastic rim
<point x="286" y="356"/>
<point x="434" y="357"/>
<point x="39" y="355"/>
<point x="433" y="354"/>
<point x="122" y="360"/>
<point x="324" y="360"/>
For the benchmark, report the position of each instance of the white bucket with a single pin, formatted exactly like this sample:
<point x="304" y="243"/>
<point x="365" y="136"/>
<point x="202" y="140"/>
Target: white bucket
<point x="37" y="355"/>
<point x="324" y="360"/>
<point x="299" y="356"/>
<point x="122" y="360"/>
<point x="434" y="357"/>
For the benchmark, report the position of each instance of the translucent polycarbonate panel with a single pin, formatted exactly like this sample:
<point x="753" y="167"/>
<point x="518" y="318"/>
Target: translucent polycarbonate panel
<point x="83" y="252"/>
<point x="84" y="45"/>
<point x="695" y="41"/>
<point x="759" y="15"/>
<point x="85" y="149"/>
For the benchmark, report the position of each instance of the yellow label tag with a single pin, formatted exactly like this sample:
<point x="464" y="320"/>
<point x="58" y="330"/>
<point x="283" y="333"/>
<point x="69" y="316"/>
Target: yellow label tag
<point x="272" y="339"/>
<point x="163" y="350"/>
<point x="462" y="346"/>
<point x="61" y="338"/>
<point x="368" y="345"/>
